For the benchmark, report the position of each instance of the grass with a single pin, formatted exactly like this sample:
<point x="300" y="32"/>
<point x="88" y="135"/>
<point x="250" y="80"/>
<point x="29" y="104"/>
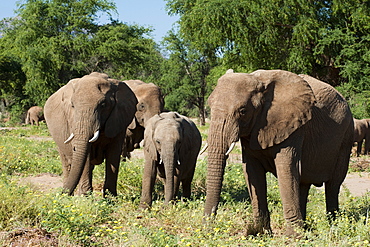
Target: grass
<point x="94" y="221"/>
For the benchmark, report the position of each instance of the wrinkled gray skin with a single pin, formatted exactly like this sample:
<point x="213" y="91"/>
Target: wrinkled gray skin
<point x="296" y="127"/>
<point x="361" y="133"/>
<point x="82" y="107"/>
<point x="150" y="103"/>
<point x="171" y="146"/>
<point x="34" y="115"/>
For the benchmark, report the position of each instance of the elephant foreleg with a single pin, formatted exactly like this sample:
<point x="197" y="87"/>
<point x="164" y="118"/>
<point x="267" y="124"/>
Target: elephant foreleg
<point x="176" y="184"/>
<point x="186" y="187"/>
<point x="331" y="196"/>
<point x="359" y="148"/>
<point x="287" y="169"/>
<point x="255" y="177"/>
<point x="303" y="194"/>
<point x="111" y="170"/>
<point x="148" y="181"/>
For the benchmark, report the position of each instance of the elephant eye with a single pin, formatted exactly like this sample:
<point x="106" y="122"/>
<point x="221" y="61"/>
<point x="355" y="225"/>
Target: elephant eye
<point x="243" y="111"/>
<point x="140" y="107"/>
<point x="158" y="141"/>
<point x="103" y="104"/>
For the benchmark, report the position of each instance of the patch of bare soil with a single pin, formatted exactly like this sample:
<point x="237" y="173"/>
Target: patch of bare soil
<point x="44" y="182"/>
<point x="28" y="237"/>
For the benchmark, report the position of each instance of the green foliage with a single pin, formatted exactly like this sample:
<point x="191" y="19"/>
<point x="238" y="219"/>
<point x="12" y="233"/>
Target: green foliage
<point x="256" y="34"/>
<point x="359" y="101"/>
<point x="51" y="42"/>
<point x="184" y="79"/>
<point x="124" y="52"/>
<point x="326" y="39"/>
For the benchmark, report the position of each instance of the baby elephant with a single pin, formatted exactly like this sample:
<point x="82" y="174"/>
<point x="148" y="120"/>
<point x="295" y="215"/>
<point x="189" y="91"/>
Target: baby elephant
<point x="171" y="146"/>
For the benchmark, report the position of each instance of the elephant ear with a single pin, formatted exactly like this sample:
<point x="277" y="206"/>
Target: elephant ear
<point x="189" y="137"/>
<point x="288" y="103"/>
<point x="124" y="110"/>
<point x="149" y="145"/>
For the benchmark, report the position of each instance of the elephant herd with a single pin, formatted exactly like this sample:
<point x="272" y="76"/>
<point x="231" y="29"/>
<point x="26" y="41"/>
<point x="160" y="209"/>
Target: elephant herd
<point x="294" y="126"/>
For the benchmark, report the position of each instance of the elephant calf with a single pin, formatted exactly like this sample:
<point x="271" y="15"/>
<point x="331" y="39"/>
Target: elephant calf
<point x="171" y="146"/>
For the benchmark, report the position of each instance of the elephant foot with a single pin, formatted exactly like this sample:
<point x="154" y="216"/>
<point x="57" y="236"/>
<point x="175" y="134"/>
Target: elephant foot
<point x="294" y="231"/>
<point x="255" y="229"/>
<point x="144" y="206"/>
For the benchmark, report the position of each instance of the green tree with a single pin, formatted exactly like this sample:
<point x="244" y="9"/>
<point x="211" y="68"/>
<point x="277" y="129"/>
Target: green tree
<point x="256" y="34"/>
<point x="50" y="38"/>
<point x="184" y="81"/>
<point x="125" y="52"/>
<point x="57" y="40"/>
<point x="326" y="39"/>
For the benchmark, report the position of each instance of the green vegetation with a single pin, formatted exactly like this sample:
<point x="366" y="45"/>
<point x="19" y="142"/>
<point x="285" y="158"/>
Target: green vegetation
<point x="94" y="221"/>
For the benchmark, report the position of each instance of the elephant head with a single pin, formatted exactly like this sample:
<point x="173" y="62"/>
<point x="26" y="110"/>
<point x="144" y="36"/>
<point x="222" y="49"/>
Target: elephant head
<point x="150" y="103"/>
<point x="86" y="114"/>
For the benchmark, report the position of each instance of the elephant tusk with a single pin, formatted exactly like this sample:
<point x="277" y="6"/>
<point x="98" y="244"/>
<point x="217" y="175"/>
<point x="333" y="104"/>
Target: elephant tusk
<point x="230" y="148"/>
<point x="178" y="162"/>
<point x="160" y="161"/>
<point x="203" y="149"/>
<point x="69" y="138"/>
<point x="95" y="137"/>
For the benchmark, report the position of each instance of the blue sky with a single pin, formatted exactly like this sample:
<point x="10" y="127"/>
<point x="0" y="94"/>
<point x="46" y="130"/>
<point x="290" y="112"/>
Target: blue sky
<point x="143" y="12"/>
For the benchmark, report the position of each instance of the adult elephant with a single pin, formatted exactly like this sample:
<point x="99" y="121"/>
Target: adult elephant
<point x="361" y="133"/>
<point x="87" y="119"/>
<point x="171" y="146"/>
<point x="296" y="127"/>
<point x="150" y="103"/>
<point x="34" y="115"/>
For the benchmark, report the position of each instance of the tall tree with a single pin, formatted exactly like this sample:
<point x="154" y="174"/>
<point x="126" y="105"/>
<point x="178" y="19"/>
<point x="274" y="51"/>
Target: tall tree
<point x="56" y="40"/>
<point x="125" y="52"/>
<point x="184" y="81"/>
<point x="51" y="38"/>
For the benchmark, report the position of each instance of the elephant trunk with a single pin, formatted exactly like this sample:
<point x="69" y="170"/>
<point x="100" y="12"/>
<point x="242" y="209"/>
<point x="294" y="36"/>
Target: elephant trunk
<point x="83" y="132"/>
<point x="218" y="144"/>
<point x="80" y="152"/>
<point x="170" y="161"/>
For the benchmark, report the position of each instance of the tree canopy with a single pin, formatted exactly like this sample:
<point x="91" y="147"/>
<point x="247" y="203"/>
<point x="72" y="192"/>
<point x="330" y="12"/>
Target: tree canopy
<point x="326" y="39"/>
<point x="57" y="40"/>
